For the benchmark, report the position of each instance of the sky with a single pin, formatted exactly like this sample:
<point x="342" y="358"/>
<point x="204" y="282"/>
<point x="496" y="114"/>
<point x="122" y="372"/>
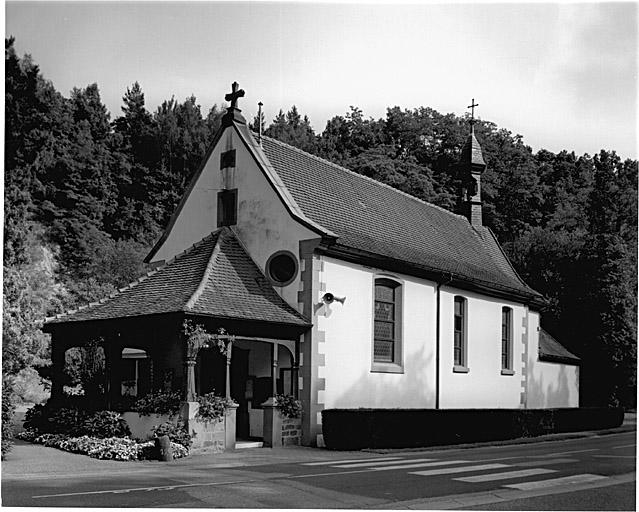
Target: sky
<point x="563" y="75"/>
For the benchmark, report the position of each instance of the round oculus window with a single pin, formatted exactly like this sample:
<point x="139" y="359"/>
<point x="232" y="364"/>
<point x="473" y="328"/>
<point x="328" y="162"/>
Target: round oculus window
<point x="282" y="268"/>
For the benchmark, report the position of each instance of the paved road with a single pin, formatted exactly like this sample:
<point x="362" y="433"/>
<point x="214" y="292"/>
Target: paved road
<point x="595" y="473"/>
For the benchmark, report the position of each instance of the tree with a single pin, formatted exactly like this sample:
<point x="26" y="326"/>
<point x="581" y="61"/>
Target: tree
<point x="29" y="295"/>
<point x="610" y="303"/>
<point x="293" y="129"/>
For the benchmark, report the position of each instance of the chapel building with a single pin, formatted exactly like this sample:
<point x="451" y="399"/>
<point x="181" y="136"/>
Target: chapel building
<point x="336" y="288"/>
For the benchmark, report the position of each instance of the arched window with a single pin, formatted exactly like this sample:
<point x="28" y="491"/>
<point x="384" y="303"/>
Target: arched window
<point x="460" y="348"/>
<point x="506" y="339"/>
<point x="387" y="337"/>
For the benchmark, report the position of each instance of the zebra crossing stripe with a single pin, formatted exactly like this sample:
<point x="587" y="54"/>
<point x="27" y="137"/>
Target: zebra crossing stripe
<point x="382" y="463"/>
<point x="331" y="462"/>
<point x="557" y="482"/>
<point x="421" y="465"/>
<point x="462" y="469"/>
<point x="545" y="462"/>
<point x="504" y="476"/>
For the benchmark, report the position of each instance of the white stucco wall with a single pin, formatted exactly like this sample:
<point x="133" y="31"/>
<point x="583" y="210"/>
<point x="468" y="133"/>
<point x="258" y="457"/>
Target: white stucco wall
<point x="549" y="384"/>
<point x="263" y="224"/>
<point x="349" y="381"/>
<point x="484" y="385"/>
<point x="348" y="342"/>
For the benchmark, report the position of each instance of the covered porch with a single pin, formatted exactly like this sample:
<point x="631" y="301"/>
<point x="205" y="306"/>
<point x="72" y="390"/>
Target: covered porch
<point x="142" y="336"/>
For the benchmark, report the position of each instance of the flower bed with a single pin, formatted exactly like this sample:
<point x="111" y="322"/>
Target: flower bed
<point x="110" y="448"/>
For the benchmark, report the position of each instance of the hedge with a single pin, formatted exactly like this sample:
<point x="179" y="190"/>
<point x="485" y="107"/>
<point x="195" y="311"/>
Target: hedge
<point x="356" y="429"/>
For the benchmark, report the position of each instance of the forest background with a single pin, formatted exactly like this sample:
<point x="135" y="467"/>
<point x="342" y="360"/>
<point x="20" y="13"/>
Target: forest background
<point x="86" y="196"/>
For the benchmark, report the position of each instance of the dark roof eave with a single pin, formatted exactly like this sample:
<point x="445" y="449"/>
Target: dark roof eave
<point x="54" y="324"/>
<point x="351" y="254"/>
<point x="299" y="328"/>
<point x="551" y="358"/>
<point x="63" y="322"/>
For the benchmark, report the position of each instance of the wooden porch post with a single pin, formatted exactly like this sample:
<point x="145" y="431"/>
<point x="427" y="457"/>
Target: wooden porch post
<point x="108" y="359"/>
<point x="296" y="370"/>
<point x="190" y="379"/>
<point x="274" y="359"/>
<point x="229" y="349"/>
<point x="58" y="350"/>
<point x="112" y="356"/>
<point x="190" y="360"/>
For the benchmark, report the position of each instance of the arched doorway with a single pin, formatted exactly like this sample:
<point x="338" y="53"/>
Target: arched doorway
<point x="135" y="372"/>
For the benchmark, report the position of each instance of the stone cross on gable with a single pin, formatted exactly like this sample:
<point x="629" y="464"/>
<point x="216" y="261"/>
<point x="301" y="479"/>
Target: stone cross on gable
<point x="234" y="95"/>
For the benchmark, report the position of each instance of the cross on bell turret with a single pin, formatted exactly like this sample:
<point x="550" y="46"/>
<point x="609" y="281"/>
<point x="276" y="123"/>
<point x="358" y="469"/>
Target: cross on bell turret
<point x="472" y="114"/>
<point x="470" y="167"/>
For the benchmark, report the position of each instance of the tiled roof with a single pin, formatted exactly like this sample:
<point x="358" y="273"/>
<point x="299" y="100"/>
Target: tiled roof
<point x="373" y="217"/>
<point x="215" y="277"/>
<point x="471" y="152"/>
<point x="551" y="350"/>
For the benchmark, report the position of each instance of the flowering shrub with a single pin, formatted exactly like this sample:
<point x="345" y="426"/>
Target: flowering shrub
<point x="106" y="424"/>
<point x="288" y="406"/>
<point x="111" y="448"/>
<point x="177" y="433"/>
<point x="212" y="407"/>
<point x="158" y="402"/>
<point x="27" y="435"/>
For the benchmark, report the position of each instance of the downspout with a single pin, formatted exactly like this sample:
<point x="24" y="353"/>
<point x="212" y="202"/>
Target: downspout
<point x="437" y="336"/>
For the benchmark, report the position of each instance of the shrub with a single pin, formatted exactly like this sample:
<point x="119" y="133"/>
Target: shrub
<point x="34" y="417"/>
<point x="177" y="433"/>
<point x="355" y="429"/>
<point x="7" y="417"/>
<point x="158" y="402"/>
<point x="45" y="419"/>
<point x="106" y="424"/>
<point x="66" y="421"/>
<point x="212" y="407"/>
<point x="288" y="406"/>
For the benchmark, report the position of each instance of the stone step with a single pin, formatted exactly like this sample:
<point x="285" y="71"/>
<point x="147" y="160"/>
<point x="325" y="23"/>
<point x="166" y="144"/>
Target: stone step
<point x="241" y="445"/>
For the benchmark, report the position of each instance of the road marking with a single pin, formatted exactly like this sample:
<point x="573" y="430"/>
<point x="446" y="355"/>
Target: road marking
<point x="463" y="469"/>
<point x="565" y="453"/>
<point x="330" y="462"/>
<point x="624" y="446"/>
<point x="546" y="462"/>
<point x="423" y="465"/>
<point x="615" y="456"/>
<point x="505" y="476"/>
<point x="382" y="463"/>
<point x="134" y="489"/>
<point x="556" y="482"/>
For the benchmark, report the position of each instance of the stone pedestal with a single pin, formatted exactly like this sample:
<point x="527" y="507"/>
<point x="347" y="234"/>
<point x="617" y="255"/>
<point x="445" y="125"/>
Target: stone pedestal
<point x="272" y="424"/>
<point x="218" y="435"/>
<point x="230" y="428"/>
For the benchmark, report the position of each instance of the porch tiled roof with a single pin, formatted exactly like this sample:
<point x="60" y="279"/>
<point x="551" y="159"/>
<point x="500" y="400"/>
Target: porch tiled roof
<point x="551" y="350"/>
<point x="215" y="277"/>
<point x="375" y="218"/>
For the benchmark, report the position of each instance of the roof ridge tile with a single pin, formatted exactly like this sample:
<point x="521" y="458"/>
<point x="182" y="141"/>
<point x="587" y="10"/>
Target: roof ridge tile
<point x="207" y="271"/>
